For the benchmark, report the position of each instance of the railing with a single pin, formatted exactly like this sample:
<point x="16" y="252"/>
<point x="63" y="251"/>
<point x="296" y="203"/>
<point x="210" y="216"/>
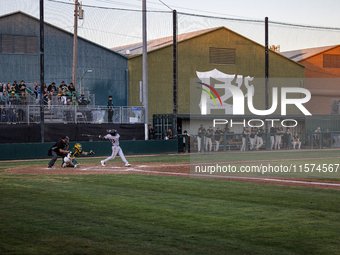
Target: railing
<point x="71" y="114"/>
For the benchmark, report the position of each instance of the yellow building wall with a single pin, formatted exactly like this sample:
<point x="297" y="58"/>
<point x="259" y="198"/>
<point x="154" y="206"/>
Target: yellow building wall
<point x="193" y="55"/>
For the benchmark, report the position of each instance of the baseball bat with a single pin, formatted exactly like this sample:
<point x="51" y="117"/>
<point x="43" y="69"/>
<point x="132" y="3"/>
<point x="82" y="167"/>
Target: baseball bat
<point x="87" y="135"/>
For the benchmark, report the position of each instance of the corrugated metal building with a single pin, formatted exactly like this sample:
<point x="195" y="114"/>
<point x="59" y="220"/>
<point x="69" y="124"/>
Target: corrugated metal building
<point x="204" y="51"/>
<point x="19" y="59"/>
<point x="322" y="65"/>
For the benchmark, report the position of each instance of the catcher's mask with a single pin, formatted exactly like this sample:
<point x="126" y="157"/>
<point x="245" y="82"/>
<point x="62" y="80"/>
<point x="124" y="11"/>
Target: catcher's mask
<point x="66" y="139"/>
<point x="112" y="131"/>
<point x="77" y="146"/>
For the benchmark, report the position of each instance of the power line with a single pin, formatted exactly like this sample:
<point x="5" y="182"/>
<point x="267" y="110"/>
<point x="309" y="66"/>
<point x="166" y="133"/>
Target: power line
<point x="107" y="8"/>
<point x="262" y="21"/>
<point x="214" y="17"/>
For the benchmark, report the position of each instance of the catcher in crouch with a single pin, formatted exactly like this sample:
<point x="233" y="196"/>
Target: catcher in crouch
<point x="113" y="136"/>
<point x="70" y="159"/>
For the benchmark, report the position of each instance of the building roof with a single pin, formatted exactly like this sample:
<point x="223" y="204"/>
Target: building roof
<point x="32" y="17"/>
<point x="133" y="50"/>
<point x="137" y="48"/>
<point x="299" y="55"/>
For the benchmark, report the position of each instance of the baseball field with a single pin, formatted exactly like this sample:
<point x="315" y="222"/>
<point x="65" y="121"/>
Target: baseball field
<point x="160" y="206"/>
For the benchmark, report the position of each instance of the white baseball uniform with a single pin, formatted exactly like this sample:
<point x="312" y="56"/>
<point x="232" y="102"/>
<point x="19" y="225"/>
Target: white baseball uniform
<point x="115" y="148"/>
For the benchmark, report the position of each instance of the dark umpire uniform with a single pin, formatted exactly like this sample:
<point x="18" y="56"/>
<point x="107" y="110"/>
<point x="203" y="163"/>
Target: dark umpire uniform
<point x="58" y="150"/>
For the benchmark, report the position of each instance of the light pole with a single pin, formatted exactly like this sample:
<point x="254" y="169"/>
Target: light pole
<point x="88" y="71"/>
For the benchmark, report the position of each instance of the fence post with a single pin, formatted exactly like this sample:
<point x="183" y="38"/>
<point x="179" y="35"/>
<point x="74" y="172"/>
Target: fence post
<point x="28" y="114"/>
<point x="311" y="141"/>
<point x="224" y="141"/>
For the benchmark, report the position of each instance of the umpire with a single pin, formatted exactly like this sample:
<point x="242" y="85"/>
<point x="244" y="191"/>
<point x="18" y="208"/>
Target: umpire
<point x="58" y="150"/>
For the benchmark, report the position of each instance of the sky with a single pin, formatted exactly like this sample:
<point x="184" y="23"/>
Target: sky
<point x="310" y="12"/>
<point x="112" y="28"/>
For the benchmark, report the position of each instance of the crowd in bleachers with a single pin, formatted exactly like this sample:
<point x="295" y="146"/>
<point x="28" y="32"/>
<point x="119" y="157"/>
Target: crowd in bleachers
<point x="14" y="95"/>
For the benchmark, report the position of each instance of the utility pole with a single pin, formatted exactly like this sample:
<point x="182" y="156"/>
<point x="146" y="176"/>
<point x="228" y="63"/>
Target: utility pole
<point x="42" y="115"/>
<point x="175" y="74"/>
<point x="145" y="74"/>
<point x="266" y="68"/>
<point x="75" y="35"/>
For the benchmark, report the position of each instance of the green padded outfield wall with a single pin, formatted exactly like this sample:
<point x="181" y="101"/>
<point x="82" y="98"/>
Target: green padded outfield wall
<point x="19" y="151"/>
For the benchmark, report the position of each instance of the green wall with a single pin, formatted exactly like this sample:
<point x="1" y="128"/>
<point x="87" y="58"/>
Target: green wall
<point x="39" y="150"/>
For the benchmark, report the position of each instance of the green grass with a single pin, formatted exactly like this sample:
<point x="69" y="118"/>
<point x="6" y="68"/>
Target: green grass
<point x="141" y="214"/>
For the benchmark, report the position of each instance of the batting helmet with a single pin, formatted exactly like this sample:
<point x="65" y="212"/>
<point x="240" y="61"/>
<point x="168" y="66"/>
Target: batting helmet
<point x="111" y="131"/>
<point x="78" y="146"/>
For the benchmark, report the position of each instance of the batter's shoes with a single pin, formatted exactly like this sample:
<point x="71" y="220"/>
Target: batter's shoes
<point x="49" y="167"/>
<point x="102" y="162"/>
<point x="63" y="165"/>
<point x="127" y="165"/>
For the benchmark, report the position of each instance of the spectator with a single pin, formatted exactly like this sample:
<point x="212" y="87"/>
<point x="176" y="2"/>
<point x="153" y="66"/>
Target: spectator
<point x="4" y="98"/>
<point x="62" y="87"/>
<point x="35" y="89"/>
<point x="151" y="133"/>
<point x="43" y="87"/>
<point x="12" y="114"/>
<point x="63" y="98"/>
<point x="50" y="98"/>
<point x="82" y="100"/>
<point x="185" y="133"/>
<point x="46" y="96"/>
<point x="22" y="87"/>
<point x="179" y="130"/>
<point x="51" y="86"/>
<point x="1" y="89"/>
<point x="3" y="114"/>
<point x="168" y="134"/>
<point x="71" y="88"/>
<point x="22" y="98"/>
<point x="110" y="109"/>
<point x="15" y="87"/>
<point x="13" y="100"/>
<point x="38" y="93"/>
<point x="9" y="88"/>
<point x="74" y="99"/>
